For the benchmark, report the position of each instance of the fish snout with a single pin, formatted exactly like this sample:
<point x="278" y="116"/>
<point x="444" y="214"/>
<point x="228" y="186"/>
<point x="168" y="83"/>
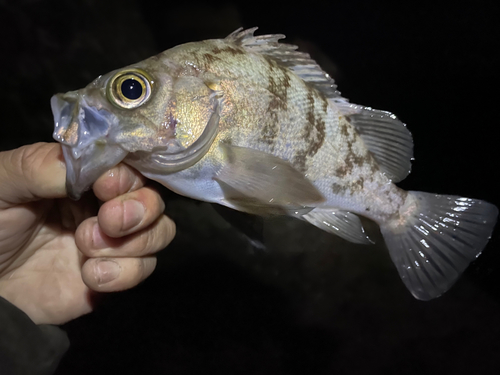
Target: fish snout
<point x="83" y="132"/>
<point x="65" y="128"/>
<point x="77" y="124"/>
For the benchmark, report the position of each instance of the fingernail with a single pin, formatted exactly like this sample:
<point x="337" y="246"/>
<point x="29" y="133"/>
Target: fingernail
<point x="106" y="271"/>
<point x="133" y="213"/>
<point x="97" y="240"/>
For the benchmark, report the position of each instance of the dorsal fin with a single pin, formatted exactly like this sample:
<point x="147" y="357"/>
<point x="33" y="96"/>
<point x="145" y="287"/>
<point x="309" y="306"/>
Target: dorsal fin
<point x="285" y="54"/>
<point x="384" y="135"/>
<point x="387" y="138"/>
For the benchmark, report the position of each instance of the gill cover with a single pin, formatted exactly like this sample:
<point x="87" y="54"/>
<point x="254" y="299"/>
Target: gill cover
<point x="193" y="114"/>
<point x="128" y="116"/>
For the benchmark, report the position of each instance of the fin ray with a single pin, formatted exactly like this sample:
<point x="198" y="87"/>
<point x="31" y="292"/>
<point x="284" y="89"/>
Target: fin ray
<point x="441" y="236"/>
<point x="285" y="54"/>
<point x="341" y="223"/>
<point x="255" y="178"/>
<point x="385" y="136"/>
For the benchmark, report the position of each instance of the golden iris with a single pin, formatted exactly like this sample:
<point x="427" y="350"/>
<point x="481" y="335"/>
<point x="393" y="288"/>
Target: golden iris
<point x="129" y="88"/>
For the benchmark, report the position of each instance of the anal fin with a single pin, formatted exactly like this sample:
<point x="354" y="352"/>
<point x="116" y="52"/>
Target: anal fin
<point x="342" y="223"/>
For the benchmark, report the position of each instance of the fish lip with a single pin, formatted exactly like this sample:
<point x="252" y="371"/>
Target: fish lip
<point x="76" y="123"/>
<point x="62" y="111"/>
<point x="82" y="172"/>
<point x="84" y="133"/>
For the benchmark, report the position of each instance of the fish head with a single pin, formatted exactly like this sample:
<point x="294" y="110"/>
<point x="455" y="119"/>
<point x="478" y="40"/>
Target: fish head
<point x="147" y="108"/>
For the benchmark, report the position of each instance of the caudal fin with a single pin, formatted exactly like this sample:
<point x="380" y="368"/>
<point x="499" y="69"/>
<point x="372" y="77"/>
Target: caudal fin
<point x="435" y="239"/>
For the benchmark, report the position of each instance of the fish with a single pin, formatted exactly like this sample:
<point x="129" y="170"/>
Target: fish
<point x="253" y="124"/>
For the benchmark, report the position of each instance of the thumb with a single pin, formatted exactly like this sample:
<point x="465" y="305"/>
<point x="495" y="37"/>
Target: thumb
<point x="32" y="172"/>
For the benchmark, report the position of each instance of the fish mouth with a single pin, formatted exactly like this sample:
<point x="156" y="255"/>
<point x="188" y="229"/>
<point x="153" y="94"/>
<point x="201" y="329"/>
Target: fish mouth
<point x="83" y="132"/>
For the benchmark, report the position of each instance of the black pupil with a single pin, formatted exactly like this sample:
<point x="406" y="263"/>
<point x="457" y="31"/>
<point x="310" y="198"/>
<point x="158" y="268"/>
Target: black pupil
<point x="131" y="89"/>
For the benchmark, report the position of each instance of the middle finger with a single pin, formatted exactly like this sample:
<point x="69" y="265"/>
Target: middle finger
<point x="130" y="212"/>
<point x="93" y="243"/>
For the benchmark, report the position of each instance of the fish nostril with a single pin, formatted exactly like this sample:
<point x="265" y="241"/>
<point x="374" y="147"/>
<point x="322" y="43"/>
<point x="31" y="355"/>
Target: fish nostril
<point x="71" y="96"/>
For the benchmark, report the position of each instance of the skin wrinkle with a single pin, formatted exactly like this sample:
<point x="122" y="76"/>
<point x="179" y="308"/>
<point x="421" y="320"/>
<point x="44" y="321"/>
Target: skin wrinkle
<point x="45" y="273"/>
<point x="28" y="241"/>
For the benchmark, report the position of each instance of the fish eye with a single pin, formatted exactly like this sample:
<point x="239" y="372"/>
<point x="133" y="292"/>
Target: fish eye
<point x="129" y="88"/>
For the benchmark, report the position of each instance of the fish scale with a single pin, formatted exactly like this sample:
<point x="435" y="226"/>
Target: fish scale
<point x="294" y="132"/>
<point x="255" y="125"/>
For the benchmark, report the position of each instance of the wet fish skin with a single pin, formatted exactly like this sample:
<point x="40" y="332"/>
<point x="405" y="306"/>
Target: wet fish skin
<point x="253" y="124"/>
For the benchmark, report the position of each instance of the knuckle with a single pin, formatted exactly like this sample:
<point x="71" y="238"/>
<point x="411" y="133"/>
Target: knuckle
<point x="123" y="178"/>
<point x="169" y="230"/>
<point x="160" y="203"/>
<point x="135" y="180"/>
<point x="110" y="217"/>
<point x="83" y="236"/>
<point x="28" y="160"/>
<point x="146" y="243"/>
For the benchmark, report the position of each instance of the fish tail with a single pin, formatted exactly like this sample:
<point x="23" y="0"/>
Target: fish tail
<point x="435" y="237"/>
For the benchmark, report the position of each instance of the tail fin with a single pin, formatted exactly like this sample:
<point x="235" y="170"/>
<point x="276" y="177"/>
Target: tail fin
<point x="436" y="238"/>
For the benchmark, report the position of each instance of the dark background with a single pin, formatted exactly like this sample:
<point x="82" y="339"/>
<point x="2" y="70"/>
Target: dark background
<point x="311" y="303"/>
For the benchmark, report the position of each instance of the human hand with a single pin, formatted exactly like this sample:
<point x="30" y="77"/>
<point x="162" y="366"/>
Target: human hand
<point x="47" y="268"/>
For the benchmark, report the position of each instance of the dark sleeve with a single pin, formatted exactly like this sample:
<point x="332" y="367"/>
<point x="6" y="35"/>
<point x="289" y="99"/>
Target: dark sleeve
<point x="27" y="348"/>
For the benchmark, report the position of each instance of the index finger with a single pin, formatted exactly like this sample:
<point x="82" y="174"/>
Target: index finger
<point x="117" y="181"/>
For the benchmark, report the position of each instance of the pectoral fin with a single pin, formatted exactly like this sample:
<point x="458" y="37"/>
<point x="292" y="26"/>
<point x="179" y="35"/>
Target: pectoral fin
<point x="256" y="179"/>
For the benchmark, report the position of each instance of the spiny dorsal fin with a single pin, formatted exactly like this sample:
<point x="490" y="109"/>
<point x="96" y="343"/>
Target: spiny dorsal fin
<point x="285" y="54"/>
<point x="387" y="138"/>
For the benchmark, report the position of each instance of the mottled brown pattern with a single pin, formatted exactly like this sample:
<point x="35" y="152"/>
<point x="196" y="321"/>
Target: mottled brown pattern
<point x="279" y="98"/>
<point x="278" y="84"/>
<point x="209" y="58"/>
<point x="341" y="171"/>
<point x="373" y="165"/>
<point x="231" y="50"/>
<point x="338" y="189"/>
<point x="352" y="159"/>
<point x="355" y="164"/>
<point x="276" y="103"/>
<point x="344" y="130"/>
<point x="358" y="184"/>
<point x="310" y="103"/>
<point x="351" y="186"/>
<point x="313" y="132"/>
<point x="325" y="104"/>
<point x="279" y="81"/>
<point x="270" y="129"/>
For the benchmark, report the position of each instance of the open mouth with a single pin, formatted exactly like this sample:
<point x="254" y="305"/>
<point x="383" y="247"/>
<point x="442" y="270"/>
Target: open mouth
<point x="83" y="132"/>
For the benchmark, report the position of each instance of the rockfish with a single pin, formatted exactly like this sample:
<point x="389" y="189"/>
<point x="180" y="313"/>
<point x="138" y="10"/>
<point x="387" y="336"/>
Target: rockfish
<point x="254" y="125"/>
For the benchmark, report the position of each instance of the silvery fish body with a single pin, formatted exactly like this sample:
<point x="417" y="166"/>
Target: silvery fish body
<point x="257" y="126"/>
